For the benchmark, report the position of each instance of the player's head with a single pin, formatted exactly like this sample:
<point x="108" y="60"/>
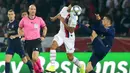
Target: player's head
<point x="11" y="15"/>
<point x="24" y="14"/>
<point x="32" y="10"/>
<point x="73" y="2"/>
<point x="107" y="20"/>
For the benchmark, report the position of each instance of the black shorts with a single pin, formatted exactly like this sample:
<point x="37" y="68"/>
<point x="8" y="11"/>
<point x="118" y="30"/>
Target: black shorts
<point x="32" y="45"/>
<point x="15" y="46"/>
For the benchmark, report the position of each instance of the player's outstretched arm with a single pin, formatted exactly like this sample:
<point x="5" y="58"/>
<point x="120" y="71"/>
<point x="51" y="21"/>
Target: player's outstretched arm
<point x="54" y="18"/>
<point x="70" y="29"/>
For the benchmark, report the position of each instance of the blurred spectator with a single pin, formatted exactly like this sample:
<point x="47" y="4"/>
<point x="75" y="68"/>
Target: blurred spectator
<point x="52" y="25"/>
<point x="90" y="10"/>
<point x="24" y="14"/>
<point x="125" y="25"/>
<point x="3" y="11"/>
<point x="101" y="5"/>
<point x="43" y="7"/>
<point x="24" y="5"/>
<point x="16" y="8"/>
<point x="125" y="22"/>
<point x="112" y="3"/>
<point x="30" y="1"/>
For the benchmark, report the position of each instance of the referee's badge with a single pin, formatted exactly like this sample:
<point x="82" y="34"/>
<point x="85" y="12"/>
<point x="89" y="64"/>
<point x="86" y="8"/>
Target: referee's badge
<point x="36" y="26"/>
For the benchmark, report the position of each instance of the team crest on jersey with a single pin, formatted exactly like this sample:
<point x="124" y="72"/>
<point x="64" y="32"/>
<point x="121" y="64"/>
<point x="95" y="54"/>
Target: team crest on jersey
<point x="12" y="26"/>
<point x="102" y="37"/>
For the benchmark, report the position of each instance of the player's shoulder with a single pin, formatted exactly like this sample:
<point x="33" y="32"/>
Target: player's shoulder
<point x="65" y="8"/>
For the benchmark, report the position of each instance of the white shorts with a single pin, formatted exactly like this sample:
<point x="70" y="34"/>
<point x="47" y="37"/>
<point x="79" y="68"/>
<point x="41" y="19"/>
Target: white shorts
<point x="68" y="42"/>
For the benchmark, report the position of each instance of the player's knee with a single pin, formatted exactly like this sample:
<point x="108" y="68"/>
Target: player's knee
<point x="52" y="48"/>
<point x="34" y="58"/>
<point x="8" y="58"/>
<point x="94" y="35"/>
<point x="35" y="55"/>
<point x="70" y="57"/>
<point x="24" y="60"/>
<point x="54" y="45"/>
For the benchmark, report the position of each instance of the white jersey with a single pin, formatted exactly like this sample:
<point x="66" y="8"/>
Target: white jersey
<point x="71" y="21"/>
<point x="63" y="35"/>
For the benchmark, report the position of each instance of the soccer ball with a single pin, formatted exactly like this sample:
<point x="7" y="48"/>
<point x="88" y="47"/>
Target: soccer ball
<point x="76" y="10"/>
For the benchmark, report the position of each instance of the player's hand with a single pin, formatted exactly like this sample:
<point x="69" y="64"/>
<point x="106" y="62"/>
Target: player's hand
<point x="59" y="17"/>
<point x="52" y="19"/>
<point x="22" y="39"/>
<point x="6" y="35"/>
<point x="42" y="38"/>
<point x="12" y="37"/>
<point x="87" y="25"/>
<point x="98" y="17"/>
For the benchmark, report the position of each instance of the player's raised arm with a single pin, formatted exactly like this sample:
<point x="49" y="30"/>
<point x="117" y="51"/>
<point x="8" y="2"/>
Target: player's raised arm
<point x="59" y="14"/>
<point x="70" y="29"/>
<point x="54" y="18"/>
<point x="103" y="26"/>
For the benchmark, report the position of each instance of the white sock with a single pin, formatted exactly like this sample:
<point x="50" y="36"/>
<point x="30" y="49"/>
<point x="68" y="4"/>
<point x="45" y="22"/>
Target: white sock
<point x="76" y="62"/>
<point x="52" y="57"/>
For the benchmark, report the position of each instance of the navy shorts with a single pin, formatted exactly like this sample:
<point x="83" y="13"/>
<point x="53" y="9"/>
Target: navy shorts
<point x="32" y="45"/>
<point x="15" y="47"/>
<point x="99" y="51"/>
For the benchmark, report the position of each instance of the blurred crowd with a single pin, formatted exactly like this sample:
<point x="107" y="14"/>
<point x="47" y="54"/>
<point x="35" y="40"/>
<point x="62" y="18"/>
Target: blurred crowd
<point x="119" y="9"/>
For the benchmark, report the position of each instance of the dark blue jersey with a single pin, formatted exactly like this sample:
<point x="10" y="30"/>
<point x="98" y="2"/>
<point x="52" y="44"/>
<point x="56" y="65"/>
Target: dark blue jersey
<point x="12" y="29"/>
<point x="107" y="34"/>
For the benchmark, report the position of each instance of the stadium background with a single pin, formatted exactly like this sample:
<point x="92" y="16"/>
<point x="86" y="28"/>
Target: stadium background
<point x="119" y="9"/>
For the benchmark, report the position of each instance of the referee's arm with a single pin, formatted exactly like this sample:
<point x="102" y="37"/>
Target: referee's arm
<point x="44" y="31"/>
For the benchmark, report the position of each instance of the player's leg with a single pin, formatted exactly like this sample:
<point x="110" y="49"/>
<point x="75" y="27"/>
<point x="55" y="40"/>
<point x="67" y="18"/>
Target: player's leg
<point x="93" y="60"/>
<point x="57" y="41"/>
<point x="8" y="57"/>
<point x="35" y="55"/>
<point x="76" y="61"/>
<point x="69" y="45"/>
<point x="29" y="49"/>
<point x="21" y="52"/>
<point x="99" y="52"/>
<point x="91" y="64"/>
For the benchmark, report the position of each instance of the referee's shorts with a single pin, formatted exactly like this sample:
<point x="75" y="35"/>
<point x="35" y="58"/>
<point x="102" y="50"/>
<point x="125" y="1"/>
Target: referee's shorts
<point x="32" y="45"/>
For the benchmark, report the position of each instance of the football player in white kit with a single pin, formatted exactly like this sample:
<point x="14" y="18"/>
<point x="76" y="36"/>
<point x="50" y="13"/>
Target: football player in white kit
<point x="68" y="17"/>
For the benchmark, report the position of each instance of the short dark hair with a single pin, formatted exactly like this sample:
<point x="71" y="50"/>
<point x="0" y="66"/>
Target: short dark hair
<point x="74" y="2"/>
<point x="109" y="17"/>
<point x="22" y="11"/>
<point x="11" y="10"/>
